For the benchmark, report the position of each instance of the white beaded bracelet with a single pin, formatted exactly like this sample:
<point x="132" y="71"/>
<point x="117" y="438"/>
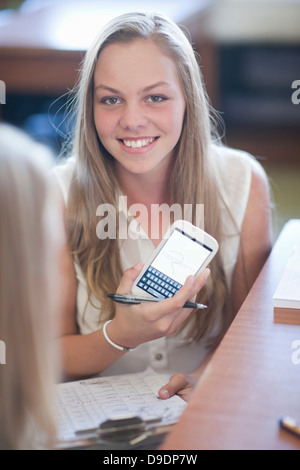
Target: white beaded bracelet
<point x="121" y="348"/>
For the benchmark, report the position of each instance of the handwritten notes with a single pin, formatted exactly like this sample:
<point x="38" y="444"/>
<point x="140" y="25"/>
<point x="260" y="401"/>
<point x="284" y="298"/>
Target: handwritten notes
<point x="85" y="404"/>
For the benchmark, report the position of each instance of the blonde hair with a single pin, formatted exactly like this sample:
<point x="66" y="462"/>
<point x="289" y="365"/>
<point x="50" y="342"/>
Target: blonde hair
<point x="94" y="179"/>
<point x="27" y="293"/>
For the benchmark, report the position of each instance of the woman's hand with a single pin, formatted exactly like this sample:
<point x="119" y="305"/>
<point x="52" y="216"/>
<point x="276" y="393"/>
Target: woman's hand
<point x="180" y="384"/>
<point x="137" y="324"/>
<point x="183" y="384"/>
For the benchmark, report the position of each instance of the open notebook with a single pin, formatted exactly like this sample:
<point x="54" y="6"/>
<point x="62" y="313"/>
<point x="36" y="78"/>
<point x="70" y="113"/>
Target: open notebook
<point x="287" y="295"/>
<point x="85" y="404"/>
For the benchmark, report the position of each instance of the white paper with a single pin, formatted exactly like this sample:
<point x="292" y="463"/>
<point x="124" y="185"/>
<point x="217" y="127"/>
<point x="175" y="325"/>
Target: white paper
<point x="287" y="294"/>
<point x="85" y="404"/>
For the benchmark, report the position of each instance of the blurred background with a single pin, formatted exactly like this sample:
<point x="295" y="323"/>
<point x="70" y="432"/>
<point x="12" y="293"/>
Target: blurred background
<point x="249" y="53"/>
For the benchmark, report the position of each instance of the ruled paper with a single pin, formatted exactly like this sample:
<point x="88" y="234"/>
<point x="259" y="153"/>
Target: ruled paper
<point x="85" y="404"/>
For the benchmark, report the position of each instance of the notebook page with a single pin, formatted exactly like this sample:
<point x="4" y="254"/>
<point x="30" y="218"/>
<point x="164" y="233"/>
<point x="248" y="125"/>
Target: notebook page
<point x="85" y="404"/>
<point x="287" y="293"/>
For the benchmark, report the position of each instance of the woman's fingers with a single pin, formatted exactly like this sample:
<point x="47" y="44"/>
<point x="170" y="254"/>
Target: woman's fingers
<point x="189" y="290"/>
<point x="180" y="384"/>
<point x="172" y="309"/>
<point x="171" y="313"/>
<point x="154" y="320"/>
<point x="200" y="281"/>
<point x="128" y="279"/>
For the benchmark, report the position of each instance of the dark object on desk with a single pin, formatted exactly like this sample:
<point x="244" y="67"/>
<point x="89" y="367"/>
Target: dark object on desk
<point x="290" y="424"/>
<point x="127" y="433"/>
<point x="131" y="429"/>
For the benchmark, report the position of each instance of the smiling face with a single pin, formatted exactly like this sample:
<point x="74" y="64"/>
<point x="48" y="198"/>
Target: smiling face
<point x="138" y="105"/>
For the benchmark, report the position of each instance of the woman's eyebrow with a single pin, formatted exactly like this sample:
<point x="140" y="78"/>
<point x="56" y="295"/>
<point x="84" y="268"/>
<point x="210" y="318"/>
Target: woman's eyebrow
<point x="107" y="88"/>
<point x="144" y="90"/>
<point x="150" y="87"/>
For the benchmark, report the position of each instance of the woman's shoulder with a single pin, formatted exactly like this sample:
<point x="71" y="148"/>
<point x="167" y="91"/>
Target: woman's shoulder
<point x="240" y="165"/>
<point x="235" y="171"/>
<point x="231" y="158"/>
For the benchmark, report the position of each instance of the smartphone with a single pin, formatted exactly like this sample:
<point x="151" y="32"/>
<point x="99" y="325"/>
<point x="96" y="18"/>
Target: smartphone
<point x="185" y="250"/>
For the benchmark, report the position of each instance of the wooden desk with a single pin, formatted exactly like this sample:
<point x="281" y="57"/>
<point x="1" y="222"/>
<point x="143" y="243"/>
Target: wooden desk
<point x="251" y="380"/>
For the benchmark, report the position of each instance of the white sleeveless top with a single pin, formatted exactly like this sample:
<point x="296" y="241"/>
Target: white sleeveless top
<point x="174" y="353"/>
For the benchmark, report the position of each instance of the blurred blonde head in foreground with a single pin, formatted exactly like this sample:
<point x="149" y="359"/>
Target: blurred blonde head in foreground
<point x="31" y="236"/>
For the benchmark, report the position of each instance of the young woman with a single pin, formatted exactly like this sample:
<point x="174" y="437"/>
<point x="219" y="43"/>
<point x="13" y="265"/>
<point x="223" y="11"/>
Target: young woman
<point x="144" y="136"/>
<point x="31" y="239"/>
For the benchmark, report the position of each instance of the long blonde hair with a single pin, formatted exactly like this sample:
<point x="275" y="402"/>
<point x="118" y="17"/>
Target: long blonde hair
<point x="28" y="291"/>
<point x="192" y="180"/>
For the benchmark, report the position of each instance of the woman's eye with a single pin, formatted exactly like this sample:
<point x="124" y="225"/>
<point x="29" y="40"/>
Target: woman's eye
<point x="111" y="100"/>
<point x="156" y="98"/>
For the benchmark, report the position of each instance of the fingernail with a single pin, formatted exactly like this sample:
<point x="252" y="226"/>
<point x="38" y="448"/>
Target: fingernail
<point x="163" y="393"/>
<point x="206" y="273"/>
<point x="138" y="266"/>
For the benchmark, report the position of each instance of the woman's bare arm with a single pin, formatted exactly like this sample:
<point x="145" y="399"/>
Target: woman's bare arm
<point x="256" y="238"/>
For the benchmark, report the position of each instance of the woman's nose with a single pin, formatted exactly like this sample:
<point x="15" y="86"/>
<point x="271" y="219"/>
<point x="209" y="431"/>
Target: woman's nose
<point x="133" y="117"/>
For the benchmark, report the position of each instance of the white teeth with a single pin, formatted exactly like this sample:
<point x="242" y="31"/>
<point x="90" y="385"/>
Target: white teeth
<point x="138" y="143"/>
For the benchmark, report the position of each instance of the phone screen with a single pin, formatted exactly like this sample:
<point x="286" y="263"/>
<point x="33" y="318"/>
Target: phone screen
<point x="181" y="256"/>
